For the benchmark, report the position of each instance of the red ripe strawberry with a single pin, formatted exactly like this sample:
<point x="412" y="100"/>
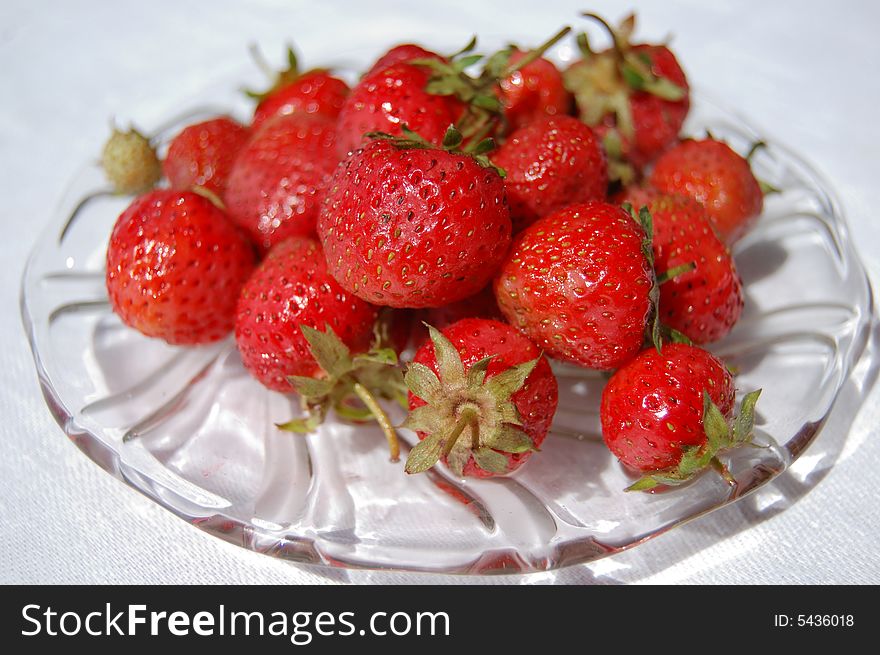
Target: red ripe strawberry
<point x="533" y="92"/>
<point x="716" y="176"/>
<point x="703" y="303"/>
<point x="636" y="97"/>
<point x="578" y="284"/>
<point x="202" y="155"/>
<point x="296" y="329"/>
<point x="276" y="185"/>
<point x="175" y="266"/>
<point x="390" y="99"/>
<point x="408" y="225"/>
<point x="667" y="414"/>
<point x="314" y="92"/>
<point x="291" y="287"/>
<point x="405" y="52"/>
<point x="550" y="163"/>
<point x="482" y="398"/>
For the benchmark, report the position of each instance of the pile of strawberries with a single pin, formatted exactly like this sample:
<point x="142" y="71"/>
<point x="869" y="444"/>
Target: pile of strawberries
<point x="484" y="212"/>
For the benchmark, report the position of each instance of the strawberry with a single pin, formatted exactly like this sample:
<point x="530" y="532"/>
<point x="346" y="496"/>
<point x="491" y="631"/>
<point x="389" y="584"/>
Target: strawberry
<point x="532" y="92"/>
<point x="716" y="176"/>
<point x="276" y="184"/>
<point x="704" y="302"/>
<point x="667" y="414"/>
<point x="635" y="96"/>
<point x="550" y="163"/>
<point x="291" y="287"/>
<point x="579" y="283"/>
<point x="175" y="266"/>
<point x="481" y="397"/>
<point x="393" y="98"/>
<point x="202" y="155"/>
<point x="297" y="330"/>
<point x="314" y="92"/>
<point x="130" y="162"/>
<point x="403" y="53"/>
<point x="405" y="224"/>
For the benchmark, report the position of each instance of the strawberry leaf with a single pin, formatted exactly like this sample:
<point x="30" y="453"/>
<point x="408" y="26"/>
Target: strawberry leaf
<point x="469" y="47"/>
<point x="309" y="388"/>
<point x="632" y="76"/>
<point x="477" y="372"/>
<point x="466" y="62"/>
<point x="715" y="425"/>
<point x="644" y="483"/>
<point x="422" y="419"/>
<point x="487" y="102"/>
<point x="506" y="383"/>
<point x="332" y="355"/>
<point x="665" y="89"/>
<point x="484" y="147"/>
<point x="452" y="139"/>
<point x="744" y="425"/>
<point x="383" y="356"/>
<point x="303" y="425"/>
<point x="509" y="439"/>
<point x="448" y="360"/>
<point x="583" y="44"/>
<point x="490" y="461"/>
<point x="424" y="454"/>
<point x="423" y="383"/>
<point x="458" y="458"/>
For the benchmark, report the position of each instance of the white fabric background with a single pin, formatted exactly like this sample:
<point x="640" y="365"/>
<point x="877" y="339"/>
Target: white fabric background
<point x="801" y="70"/>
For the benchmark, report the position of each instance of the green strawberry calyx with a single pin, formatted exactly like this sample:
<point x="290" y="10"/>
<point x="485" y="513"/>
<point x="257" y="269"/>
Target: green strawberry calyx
<point x="466" y="415"/>
<point x="484" y="113"/>
<point x="349" y="385"/>
<point x="721" y="434"/>
<point x="452" y="143"/>
<point x="646" y="221"/>
<point x="766" y="187"/>
<point x="603" y="82"/>
<point x="280" y="78"/>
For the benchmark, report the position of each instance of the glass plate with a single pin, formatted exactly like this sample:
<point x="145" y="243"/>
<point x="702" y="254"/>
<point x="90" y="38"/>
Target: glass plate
<point x="191" y="430"/>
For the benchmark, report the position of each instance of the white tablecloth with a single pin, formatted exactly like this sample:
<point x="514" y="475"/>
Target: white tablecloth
<point x="801" y="70"/>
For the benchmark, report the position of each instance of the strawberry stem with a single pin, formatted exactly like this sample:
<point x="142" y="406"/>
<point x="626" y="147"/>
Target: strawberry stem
<point x="675" y="271"/>
<point x="618" y="46"/>
<point x="723" y="471"/>
<point x="381" y="418"/>
<point x="756" y="146"/>
<point x="468" y="417"/>
<point x="261" y="62"/>
<point x="536" y="53"/>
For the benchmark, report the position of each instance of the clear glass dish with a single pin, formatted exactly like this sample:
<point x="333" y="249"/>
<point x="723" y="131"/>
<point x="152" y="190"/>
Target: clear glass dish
<point x="191" y="430"/>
